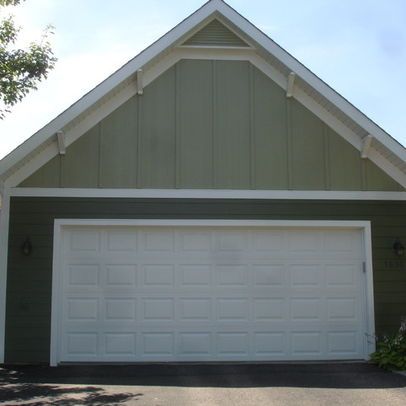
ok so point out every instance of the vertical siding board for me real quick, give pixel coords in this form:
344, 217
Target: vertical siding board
376, 179
118, 147
80, 166
345, 163
270, 134
326, 140
307, 149
195, 152
47, 176
157, 132
232, 125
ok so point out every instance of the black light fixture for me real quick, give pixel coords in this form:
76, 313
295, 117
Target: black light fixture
398, 248
26, 247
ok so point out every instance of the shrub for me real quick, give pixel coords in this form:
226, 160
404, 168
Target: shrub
391, 350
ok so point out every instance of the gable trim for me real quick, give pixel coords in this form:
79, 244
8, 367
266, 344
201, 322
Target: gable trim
207, 194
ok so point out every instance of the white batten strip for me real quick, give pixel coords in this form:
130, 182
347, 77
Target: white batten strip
208, 194
291, 84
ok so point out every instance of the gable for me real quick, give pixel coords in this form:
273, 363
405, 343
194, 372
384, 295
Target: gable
212, 124
215, 34
288, 73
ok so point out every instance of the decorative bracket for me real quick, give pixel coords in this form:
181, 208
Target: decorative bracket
140, 84
366, 145
60, 135
291, 84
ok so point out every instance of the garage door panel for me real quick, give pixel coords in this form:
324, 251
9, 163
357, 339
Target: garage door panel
193, 275
121, 275
210, 293
269, 274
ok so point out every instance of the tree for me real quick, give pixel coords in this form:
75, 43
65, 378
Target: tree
21, 70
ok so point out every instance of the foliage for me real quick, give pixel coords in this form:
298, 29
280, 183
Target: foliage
21, 70
391, 350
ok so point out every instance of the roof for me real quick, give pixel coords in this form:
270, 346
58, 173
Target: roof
371, 140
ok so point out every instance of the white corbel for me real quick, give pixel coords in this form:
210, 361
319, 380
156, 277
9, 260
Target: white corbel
291, 84
140, 84
366, 145
60, 135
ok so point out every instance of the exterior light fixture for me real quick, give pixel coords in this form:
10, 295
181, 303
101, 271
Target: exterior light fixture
26, 247
398, 248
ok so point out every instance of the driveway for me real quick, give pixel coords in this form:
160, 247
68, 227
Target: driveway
210, 384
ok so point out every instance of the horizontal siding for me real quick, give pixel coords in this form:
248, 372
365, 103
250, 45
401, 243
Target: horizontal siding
29, 278
212, 125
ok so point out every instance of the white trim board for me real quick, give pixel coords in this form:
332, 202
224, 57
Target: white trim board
364, 226
212, 9
208, 194
4, 226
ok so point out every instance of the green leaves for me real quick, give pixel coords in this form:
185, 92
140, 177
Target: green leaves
10, 2
391, 351
21, 70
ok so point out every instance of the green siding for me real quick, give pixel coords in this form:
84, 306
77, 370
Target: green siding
80, 165
157, 133
378, 180
212, 124
195, 124
307, 149
47, 176
29, 278
118, 144
270, 142
345, 163
232, 125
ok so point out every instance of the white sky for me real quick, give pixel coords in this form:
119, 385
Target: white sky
357, 46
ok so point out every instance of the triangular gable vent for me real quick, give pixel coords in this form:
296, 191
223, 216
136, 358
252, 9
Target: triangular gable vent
215, 34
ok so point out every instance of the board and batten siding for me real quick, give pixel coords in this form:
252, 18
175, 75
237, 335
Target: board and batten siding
29, 280
212, 125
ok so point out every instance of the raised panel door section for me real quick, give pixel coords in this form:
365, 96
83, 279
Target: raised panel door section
137, 294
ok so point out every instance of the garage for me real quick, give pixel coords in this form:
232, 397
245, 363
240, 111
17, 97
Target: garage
138, 291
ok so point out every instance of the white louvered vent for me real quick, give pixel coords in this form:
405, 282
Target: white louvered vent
215, 34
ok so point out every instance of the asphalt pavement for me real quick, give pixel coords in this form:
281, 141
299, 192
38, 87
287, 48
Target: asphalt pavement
202, 384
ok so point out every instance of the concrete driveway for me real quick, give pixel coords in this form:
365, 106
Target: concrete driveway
187, 384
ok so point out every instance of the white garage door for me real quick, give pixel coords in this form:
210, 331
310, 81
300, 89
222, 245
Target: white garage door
133, 294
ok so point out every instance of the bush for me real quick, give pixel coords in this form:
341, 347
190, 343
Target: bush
391, 350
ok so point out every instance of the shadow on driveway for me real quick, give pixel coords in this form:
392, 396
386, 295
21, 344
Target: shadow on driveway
106, 385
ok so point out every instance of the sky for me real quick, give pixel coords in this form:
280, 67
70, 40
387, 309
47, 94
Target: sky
357, 46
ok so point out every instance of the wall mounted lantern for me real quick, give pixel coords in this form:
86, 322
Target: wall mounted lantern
26, 247
398, 248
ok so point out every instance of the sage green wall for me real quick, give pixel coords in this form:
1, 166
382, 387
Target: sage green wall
212, 124
29, 282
